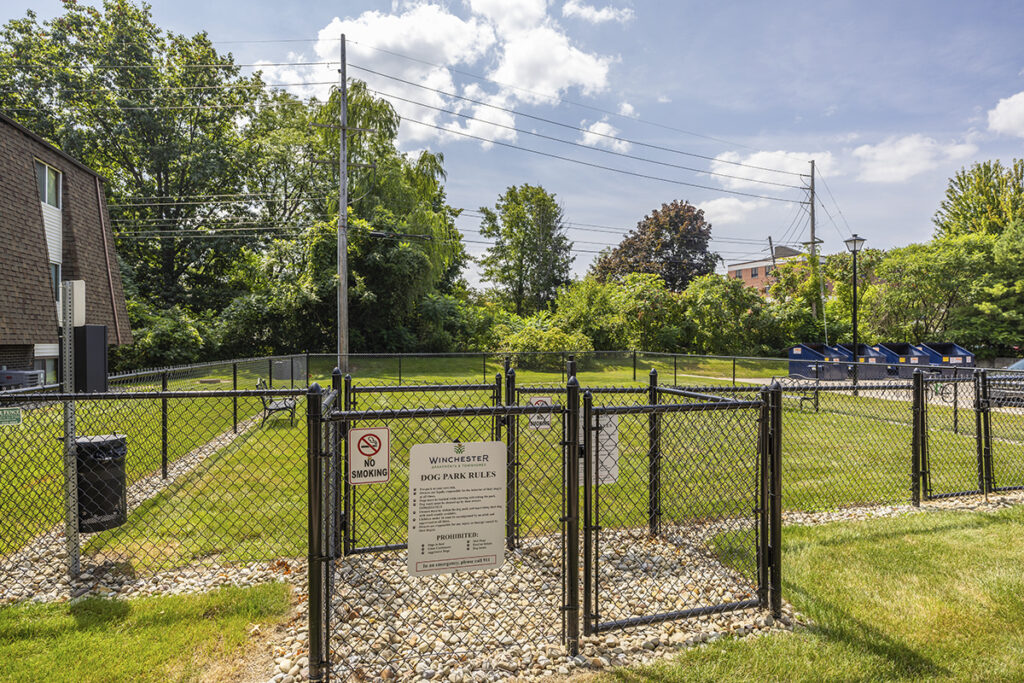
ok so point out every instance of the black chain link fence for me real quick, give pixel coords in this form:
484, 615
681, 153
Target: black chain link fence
176, 488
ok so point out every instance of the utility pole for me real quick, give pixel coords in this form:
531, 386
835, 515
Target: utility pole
343, 216
771, 252
814, 242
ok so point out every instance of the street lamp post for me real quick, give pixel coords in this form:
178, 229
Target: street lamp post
854, 244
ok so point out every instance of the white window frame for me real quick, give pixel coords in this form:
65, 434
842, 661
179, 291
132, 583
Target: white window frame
59, 181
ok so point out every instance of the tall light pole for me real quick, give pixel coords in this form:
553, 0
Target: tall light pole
854, 244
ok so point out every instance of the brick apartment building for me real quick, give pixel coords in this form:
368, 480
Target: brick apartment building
758, 274
54, 226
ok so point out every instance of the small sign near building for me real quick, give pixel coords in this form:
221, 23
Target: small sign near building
369, 455
10, 417
456, 507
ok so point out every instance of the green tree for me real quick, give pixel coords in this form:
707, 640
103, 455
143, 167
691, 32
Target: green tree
727, 318
671, 242
532, 255
112, 88
985, 199
592, 307
914, 293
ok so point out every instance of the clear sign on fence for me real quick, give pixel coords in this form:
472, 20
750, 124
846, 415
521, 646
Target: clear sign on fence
606, 450
369, 455
456, 507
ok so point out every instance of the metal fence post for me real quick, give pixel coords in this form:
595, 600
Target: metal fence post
988, 483
399, 371
764, 486
634, 365
675, 370
339, 468
270, 373
163, 426
511, 465
775, 587
654, 458
234, 399
917, 447
349, 503
734, 371
315, 550
71, 539
309, 370
496, 397
589, 523
572, 519
570, 367
291, 371
956, 401
484, 356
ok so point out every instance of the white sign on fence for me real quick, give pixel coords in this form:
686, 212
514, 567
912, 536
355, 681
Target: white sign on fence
369, 455
456, 507
540, 420
606, 450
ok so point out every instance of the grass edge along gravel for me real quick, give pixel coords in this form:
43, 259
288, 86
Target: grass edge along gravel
170, 638
929, 596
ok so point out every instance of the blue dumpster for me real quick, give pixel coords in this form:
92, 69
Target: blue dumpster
816, 361
902, 358
947, 356
870, 363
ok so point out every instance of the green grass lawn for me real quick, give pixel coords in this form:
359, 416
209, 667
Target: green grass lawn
934, 596
179, 638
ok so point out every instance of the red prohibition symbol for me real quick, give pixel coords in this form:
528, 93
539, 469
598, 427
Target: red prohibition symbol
368, 445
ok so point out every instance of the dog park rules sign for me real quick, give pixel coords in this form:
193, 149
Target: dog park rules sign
369, 455
456, 507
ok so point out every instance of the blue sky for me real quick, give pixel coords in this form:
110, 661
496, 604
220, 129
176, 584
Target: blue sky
890, 98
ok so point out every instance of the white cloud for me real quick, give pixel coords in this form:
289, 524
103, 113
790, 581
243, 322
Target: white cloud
484, 117
517, 15
729, 210
543, 60
791, 162
663, 99
627, 109
895, 160
1008, 116
576, 9
600, 134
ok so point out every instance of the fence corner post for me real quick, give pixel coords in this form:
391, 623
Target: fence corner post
653, 458
763, 489
775, 435
572, 517
589, 514
315, 545
988, 479
917, 449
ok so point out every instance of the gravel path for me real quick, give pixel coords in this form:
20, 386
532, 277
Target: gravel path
39, 570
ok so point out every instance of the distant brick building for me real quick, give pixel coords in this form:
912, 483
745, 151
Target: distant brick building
54, 226
758, 274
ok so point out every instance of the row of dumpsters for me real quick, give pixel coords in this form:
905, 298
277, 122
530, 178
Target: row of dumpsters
879, 361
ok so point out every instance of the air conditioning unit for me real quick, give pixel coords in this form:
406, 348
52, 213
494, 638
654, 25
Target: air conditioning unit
10, 379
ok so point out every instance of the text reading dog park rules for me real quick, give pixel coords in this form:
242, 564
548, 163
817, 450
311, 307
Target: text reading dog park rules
456, 507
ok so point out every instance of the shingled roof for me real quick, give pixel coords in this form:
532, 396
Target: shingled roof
27, 311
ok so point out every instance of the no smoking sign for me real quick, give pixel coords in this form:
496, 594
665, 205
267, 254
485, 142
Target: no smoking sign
369, 455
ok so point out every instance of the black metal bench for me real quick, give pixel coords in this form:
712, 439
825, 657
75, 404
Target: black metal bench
271, 406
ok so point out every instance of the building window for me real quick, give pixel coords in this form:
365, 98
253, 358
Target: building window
55, 280
49, 367
753, 272
48, 180
739, 273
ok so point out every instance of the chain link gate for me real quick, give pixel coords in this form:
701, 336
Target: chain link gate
952, 412
684, 520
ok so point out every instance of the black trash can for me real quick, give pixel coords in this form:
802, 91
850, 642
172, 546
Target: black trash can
102, 494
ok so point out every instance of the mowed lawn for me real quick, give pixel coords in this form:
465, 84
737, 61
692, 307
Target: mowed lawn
935, 596
148, 640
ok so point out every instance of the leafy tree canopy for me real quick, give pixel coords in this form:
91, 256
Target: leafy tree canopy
985, 199
671, 242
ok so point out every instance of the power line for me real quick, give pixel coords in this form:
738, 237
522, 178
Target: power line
577, 128
104, 67
602, 167
835, 203
555, 98
580, 144
216, 202
162, 88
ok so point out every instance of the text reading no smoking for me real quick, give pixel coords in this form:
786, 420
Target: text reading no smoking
369, 455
